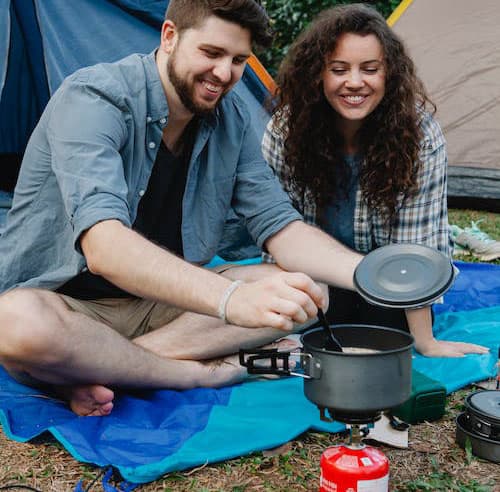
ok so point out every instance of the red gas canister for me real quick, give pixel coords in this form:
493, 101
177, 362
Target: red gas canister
354, 469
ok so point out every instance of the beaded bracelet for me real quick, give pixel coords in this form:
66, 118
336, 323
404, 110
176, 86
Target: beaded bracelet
225, 298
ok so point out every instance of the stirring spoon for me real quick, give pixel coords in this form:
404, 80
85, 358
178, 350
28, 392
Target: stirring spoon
331, 343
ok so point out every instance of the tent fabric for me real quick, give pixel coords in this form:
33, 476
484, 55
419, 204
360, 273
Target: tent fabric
454, 44
24, 89
151, 433
43, 41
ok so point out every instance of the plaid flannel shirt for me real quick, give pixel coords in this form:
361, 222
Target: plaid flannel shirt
421, 219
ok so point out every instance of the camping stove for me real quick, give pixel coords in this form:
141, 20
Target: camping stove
348, 417
354, 466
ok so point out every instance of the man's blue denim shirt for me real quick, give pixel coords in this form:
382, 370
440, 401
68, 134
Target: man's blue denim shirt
90, 159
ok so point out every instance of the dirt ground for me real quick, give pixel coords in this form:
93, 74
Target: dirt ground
433, 461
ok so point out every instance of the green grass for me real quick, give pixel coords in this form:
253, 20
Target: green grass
487, 221
445, 482
438, 481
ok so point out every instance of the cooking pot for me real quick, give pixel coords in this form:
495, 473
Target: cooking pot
482, 410
353, 387
480, 424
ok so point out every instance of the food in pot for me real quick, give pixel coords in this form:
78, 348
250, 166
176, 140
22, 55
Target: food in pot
359, 350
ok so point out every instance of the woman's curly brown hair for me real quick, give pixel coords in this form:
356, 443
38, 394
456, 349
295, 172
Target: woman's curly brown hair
390, 136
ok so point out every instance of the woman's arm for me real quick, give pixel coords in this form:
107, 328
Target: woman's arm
423, 219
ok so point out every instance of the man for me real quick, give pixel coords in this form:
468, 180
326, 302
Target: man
122, 194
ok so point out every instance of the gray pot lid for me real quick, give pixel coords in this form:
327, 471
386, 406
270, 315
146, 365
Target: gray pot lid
486, 403
403, 275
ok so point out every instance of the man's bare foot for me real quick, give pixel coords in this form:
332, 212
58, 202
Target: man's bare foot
90, 400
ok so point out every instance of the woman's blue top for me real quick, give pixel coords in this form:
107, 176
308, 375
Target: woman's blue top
339, 216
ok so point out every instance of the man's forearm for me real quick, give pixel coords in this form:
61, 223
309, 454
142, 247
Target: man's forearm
138, 266
303, 248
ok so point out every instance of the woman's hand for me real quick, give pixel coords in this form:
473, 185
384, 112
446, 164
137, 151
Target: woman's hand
445, 348
420, 324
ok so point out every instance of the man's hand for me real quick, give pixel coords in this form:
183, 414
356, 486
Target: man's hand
444, 348
277, 301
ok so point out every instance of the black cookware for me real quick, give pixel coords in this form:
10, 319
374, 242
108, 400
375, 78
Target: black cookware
373, 373
480, 424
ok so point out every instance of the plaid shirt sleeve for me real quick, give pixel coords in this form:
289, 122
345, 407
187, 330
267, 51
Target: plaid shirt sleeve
423, 218
273, 145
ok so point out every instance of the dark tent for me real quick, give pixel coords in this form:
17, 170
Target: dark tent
43, 41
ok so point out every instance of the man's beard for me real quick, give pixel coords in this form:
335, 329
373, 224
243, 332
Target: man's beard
186, 92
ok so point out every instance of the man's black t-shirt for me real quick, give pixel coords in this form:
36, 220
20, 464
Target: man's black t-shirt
159, 219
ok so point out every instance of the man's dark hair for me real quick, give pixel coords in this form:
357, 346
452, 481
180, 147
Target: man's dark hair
249, 14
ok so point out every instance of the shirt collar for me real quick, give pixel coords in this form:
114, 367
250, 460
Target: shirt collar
157, 101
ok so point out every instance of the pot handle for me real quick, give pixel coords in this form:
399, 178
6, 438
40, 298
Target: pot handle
249, 357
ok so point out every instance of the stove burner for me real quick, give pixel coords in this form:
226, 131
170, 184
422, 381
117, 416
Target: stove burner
357, 418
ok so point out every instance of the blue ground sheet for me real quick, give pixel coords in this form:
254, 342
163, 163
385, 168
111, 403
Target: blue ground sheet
151, 433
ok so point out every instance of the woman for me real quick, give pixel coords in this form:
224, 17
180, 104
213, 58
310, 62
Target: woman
355, 147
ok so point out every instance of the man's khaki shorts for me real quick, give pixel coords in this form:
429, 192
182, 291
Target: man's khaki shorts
131, 317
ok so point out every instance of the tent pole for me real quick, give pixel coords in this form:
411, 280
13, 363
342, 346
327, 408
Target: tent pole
398, 12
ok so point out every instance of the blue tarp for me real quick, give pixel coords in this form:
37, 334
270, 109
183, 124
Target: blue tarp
155, 432
476, 286
43, 41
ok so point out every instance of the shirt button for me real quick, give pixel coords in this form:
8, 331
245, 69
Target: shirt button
149, 119
163, 121
141, 192
152, 145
